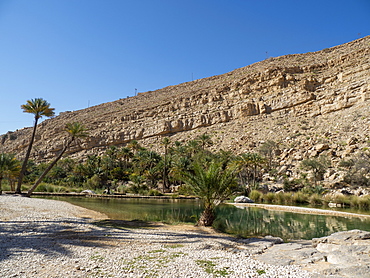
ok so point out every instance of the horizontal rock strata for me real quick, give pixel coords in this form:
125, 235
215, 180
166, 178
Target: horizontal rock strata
273, 99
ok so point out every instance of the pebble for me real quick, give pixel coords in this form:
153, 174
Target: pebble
46, 238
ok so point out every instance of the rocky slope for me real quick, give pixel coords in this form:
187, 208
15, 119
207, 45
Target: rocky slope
309, 103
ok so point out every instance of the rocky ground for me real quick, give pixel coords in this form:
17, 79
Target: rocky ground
46, 238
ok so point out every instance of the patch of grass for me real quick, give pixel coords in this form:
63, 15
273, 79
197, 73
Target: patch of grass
151, 263
269, 198
315, 199
260, 271
97, 258
300, 198
174, 245
210, 267
157, 251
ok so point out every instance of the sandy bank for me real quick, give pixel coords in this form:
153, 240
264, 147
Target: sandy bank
301, 210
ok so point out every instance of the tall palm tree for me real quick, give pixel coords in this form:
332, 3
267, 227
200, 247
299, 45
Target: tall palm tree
9, 167
213, 184
38, 107
76, 131
165, 142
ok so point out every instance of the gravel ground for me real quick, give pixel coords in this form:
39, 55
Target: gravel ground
47, 238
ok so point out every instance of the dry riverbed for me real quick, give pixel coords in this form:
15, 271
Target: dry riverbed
48, 238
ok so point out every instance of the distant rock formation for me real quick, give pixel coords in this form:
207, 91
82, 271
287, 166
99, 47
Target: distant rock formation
309, 103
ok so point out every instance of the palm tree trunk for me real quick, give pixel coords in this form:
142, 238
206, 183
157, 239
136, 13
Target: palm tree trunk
24, 165
207, 217
51, 165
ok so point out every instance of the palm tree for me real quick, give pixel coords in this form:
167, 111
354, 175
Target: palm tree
193, 147
38, 107
9, 167
250, 164
205, 140
76, 131
134, 146
126, 154
213, 184
165, 142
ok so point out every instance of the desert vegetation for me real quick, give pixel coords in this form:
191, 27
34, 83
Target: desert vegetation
191, 168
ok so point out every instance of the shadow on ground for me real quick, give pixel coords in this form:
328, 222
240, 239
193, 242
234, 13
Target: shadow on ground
51, 237
123, 224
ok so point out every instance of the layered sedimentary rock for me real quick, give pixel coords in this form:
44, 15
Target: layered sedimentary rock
279, 98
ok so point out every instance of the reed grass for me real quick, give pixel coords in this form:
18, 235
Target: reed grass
314, 199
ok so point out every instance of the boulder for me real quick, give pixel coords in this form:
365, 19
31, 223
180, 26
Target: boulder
342, 254
88, 192
243, 199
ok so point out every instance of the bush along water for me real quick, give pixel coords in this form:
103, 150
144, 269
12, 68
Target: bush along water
311, 199
134, 169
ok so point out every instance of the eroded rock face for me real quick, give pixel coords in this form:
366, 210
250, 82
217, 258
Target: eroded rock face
342, 254
280, 99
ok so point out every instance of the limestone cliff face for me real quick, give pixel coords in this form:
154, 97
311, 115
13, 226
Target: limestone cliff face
306, 94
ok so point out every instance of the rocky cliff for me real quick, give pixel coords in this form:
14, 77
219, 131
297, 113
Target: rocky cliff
310, 103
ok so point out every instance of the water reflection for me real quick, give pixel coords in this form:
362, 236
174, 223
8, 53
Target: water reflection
252, 221
246, 222
169, 210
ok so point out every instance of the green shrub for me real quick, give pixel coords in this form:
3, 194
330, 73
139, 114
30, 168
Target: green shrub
154, 192
364, 202
45, 187
300, 198
185, 190
315, 200
122, 189
255, 195
269, 197
284, 198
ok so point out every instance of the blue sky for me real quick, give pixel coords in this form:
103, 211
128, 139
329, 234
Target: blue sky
76, 53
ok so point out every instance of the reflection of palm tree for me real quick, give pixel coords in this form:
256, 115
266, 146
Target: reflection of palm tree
9, 167
213, 184
39, 108
76, 131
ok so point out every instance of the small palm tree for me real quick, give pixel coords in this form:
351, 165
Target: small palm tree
38, 107
9, 167
126, 154
213, 184
193, 147
205, 140
76, 131
134, 146
251, 163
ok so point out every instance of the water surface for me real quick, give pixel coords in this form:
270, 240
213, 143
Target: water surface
245, 222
